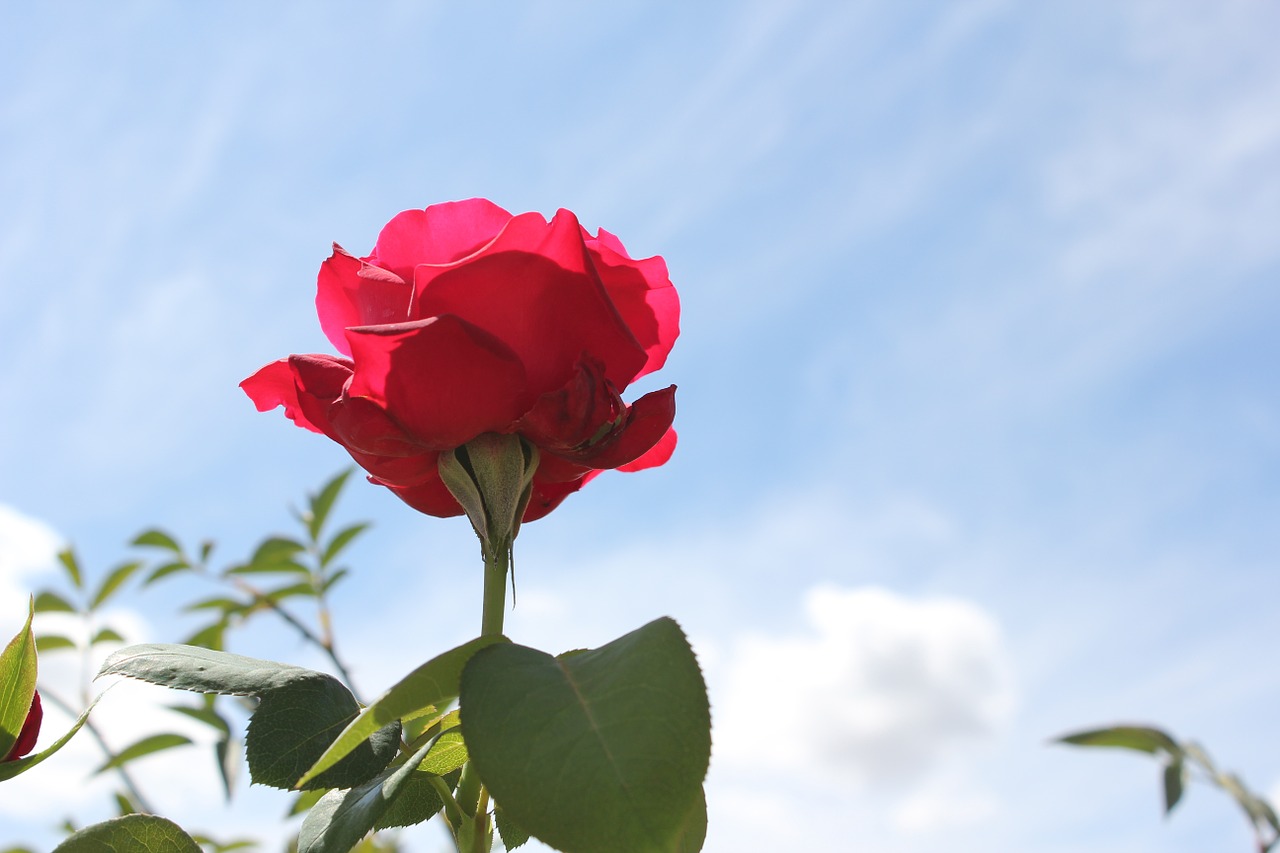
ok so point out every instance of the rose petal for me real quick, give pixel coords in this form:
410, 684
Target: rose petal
442, 379
535, 289
642, 292
547, 496
276, 384
657, 455
585, 409
648, 421
441, 234
30, 731
350, 292
401, 471
430, 497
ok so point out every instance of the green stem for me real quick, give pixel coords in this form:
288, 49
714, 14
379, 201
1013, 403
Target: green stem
496, 562
470, 794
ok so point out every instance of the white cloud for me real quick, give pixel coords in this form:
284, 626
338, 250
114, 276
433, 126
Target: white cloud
28, 546
880, 688
946, 803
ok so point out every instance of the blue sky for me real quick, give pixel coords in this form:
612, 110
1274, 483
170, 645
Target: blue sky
980, 425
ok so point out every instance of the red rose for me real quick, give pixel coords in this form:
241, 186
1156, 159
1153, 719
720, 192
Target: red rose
30, 731
466, 320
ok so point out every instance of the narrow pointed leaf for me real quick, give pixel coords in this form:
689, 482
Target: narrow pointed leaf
322, 503
135, 833
433, 684
341, 540
53, 642
9, 769
156, 538
147, 746
18, 666
1140, 738
51, 602
600, 750
341, 818
106, 635
67, 558
1174, 778
113, 582
165, 570
416, 802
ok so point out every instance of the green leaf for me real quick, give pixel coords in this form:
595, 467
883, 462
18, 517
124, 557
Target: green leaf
226, 750
290, 591
135, 833
106, 635
51, 602
323, 502
124, 805
146, 746
416, 802
693, 832
9, 769
53, 642
1174, 779
165, 570
433, 684
295, 724
156, 538
67, 558
601, 750
215, 846
205, 714
305, 800
206, 548
275, 554
210, 636
341, 540
18, 667
512, 835
333, 579
341, 818
118, 576
217, 602
447, 754
1140, 738
298, 714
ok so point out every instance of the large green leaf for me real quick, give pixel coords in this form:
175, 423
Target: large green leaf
17, 683
294, 725
299, 712
341, 818
135, 833
597, 750
201, 670
433, 684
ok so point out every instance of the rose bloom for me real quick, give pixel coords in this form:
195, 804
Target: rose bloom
466, 320
30, 731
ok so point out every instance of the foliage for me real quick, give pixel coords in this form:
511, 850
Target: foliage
570, 747
1182, 761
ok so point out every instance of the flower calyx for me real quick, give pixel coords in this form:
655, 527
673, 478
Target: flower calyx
491, 476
